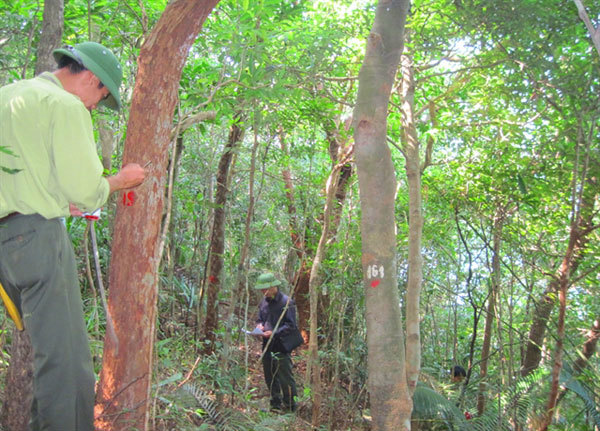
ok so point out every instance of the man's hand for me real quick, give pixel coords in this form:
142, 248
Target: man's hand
129, 176
267, 334
75, 212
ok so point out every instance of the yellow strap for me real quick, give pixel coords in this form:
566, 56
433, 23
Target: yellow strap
13, 312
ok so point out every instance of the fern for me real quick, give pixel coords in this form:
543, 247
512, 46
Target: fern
587, 395
429, 405
207, 406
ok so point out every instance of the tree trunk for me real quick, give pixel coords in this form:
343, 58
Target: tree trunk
16, 410
391, 403
560, 337
123, 396
217, 239
491, 311
313, 367
411, 150
339, 149
107, 142
51, 37
582, 225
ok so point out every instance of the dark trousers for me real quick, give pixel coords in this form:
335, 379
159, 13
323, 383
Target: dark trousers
38, 271
280, 380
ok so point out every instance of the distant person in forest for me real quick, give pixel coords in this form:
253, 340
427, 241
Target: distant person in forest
276, 320
458, 373
53, 171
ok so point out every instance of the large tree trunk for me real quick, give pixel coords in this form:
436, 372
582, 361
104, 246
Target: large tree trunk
391, 402
123, 396
217, 239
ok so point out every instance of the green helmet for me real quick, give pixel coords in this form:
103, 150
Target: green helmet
264, 281
101, 62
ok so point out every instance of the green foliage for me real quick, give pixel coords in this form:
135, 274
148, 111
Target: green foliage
429, 406
506, 92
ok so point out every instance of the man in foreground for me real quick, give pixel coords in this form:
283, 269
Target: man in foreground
276, 318
52, 171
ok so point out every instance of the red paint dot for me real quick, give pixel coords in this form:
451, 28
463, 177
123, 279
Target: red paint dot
375, 283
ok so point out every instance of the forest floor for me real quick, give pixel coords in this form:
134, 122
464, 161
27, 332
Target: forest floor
252, 413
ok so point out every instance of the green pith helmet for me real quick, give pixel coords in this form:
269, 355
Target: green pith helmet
264, 281
101, 62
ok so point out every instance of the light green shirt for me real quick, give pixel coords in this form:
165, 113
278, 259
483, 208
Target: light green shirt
49, 131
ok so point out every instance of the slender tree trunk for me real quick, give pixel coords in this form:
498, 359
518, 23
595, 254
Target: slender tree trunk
594, 32
313, 367
582, 225
411, 151
123, 395
391, 402
491, 311
339, 149
217, 239
242, 272
584, 194
560, 337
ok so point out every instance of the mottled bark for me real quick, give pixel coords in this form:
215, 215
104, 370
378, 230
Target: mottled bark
123, 396
391, 403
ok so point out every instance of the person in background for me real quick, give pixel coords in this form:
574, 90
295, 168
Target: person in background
52, 171
277, 364
458, 373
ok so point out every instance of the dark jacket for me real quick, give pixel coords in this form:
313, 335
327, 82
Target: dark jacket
269, 311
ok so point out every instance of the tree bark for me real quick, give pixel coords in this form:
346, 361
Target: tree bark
594, 32
563, 281
123, 396
313, 367
16, 411
411, 151
217, 239
391, 403
51, 37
